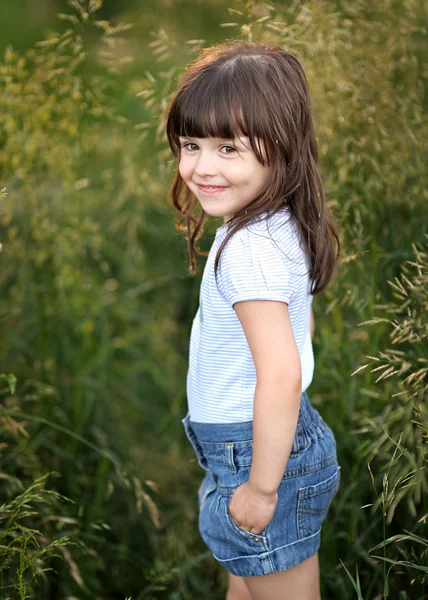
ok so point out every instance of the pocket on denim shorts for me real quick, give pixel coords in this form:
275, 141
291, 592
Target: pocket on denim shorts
252, 537
313, 504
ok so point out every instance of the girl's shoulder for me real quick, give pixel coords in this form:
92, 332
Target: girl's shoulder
263, 233
280, 224
256, 261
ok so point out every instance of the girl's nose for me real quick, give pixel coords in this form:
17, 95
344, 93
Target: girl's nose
205, 165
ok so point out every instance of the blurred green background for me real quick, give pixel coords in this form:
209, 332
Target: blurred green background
98, 481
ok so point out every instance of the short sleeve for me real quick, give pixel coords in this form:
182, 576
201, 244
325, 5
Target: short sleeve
253, 267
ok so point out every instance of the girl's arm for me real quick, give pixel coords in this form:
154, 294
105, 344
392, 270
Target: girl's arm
267, 327
312, 323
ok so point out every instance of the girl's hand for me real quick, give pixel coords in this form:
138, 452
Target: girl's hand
252, 510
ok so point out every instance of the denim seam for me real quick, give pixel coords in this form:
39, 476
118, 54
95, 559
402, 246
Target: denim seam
311, 467
245, 556
270, 562
229, 456
295, 473
304, 430
222, 443
305, 495
312, 432
306, 469
238, 463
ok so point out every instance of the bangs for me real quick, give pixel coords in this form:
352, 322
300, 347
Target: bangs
209, 115
215, 107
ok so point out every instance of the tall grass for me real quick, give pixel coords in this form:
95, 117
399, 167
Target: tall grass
97, 303
397, 440
62, 313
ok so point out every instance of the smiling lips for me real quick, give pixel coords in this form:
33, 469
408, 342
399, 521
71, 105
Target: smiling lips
212, 189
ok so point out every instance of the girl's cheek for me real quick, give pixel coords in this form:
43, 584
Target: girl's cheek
185, 164
182, 169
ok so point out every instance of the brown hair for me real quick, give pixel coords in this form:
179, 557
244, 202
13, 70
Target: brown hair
258, 90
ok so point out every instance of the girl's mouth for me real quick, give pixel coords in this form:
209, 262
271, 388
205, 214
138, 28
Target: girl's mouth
211, 189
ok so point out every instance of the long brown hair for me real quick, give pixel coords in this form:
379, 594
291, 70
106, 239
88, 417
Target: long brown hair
238, 88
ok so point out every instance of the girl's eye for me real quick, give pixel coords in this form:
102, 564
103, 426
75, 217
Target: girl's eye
230, 148
188, 145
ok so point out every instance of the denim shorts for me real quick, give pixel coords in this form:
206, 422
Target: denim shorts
310, 481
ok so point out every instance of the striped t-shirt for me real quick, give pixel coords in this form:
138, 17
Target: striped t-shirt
262, 261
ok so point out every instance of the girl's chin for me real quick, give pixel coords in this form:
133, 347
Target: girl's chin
212, 212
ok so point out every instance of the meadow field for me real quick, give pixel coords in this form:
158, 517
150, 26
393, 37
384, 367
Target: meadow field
98, 483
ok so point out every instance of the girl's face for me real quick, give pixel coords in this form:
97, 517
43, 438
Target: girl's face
223, 180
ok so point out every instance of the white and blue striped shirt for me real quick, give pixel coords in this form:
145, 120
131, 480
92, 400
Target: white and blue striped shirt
262, 261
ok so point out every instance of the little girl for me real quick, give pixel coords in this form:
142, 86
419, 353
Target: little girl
241, 129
